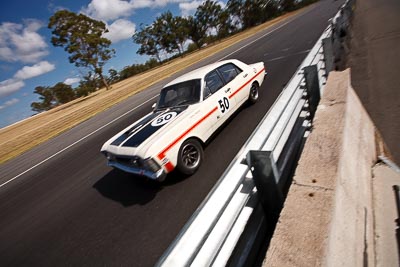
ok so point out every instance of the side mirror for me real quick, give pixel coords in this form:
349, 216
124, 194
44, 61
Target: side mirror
154, 106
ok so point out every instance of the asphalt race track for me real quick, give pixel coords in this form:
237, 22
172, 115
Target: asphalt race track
63, 206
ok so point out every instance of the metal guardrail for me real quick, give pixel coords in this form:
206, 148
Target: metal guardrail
217, 229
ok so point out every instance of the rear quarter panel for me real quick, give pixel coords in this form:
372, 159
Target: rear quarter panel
253, 72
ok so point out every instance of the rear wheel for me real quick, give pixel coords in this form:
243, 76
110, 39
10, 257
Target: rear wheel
190, 157
253, 97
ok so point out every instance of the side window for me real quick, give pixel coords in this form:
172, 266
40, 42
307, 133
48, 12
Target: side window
213, 82
207, 92
229, 72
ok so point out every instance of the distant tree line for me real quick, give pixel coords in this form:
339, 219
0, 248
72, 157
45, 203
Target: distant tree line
168, 34
167, 37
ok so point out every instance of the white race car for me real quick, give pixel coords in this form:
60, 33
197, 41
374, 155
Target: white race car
189, 110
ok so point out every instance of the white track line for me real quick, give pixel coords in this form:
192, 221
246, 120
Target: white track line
76, 142
105, 125
290, 55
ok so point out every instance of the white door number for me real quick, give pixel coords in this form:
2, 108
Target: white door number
163, 119
223, 104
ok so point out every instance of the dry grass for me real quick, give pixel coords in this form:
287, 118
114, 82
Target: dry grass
22, 136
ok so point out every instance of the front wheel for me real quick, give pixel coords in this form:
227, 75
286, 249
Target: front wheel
253, 97
190, 157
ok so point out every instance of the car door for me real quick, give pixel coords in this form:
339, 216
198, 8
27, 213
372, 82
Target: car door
237, 79
218, 94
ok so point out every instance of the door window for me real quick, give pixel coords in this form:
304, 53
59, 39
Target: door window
229, 72
213, 82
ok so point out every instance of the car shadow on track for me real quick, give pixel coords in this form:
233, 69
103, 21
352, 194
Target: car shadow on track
129, 189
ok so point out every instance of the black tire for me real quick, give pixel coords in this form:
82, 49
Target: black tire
253, 96
190, 157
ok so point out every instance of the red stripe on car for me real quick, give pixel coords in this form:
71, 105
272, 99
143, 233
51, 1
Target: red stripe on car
161, 156
169, 166
244, 85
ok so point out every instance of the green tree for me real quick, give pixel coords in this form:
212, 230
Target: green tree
87, 85
270, 10
181, 29
225, 24
234, 8
113, 76
62, 93
164, 32
288, 5
248, 13
46, 99
208, 15
51, 97
81, 37
134, 69
149, 41
171, 31
196, 32
206, 18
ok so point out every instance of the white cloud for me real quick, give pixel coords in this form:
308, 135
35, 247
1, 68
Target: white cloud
22, 42
35, 70
137, 4
6, 53
10, 86
189, 8
9, 103
108, 9
71, 81
119, 30
14, 84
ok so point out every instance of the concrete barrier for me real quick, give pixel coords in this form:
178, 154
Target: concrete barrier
327, 218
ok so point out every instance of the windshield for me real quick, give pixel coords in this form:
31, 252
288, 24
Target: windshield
184, 93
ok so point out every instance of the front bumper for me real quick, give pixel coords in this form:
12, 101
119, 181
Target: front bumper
160, 175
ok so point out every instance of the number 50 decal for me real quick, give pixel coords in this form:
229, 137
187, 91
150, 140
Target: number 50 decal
163, 119
223, 104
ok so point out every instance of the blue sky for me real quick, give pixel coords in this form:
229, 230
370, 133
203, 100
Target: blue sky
28, 59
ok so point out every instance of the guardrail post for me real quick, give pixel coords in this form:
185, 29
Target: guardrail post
396, 189
266, 179
312, 87
328, 54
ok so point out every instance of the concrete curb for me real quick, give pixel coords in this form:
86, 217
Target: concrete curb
327, 218
386, 215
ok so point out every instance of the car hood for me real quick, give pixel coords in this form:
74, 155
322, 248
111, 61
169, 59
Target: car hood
134, 140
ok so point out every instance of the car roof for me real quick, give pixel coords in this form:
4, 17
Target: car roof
200, 72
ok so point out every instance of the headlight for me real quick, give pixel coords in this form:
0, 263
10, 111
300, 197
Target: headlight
136, 162
109, 156
152, 165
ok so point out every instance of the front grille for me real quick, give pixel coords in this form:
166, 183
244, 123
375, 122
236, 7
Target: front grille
135, 162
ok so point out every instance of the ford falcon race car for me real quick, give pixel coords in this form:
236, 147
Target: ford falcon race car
189, 110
